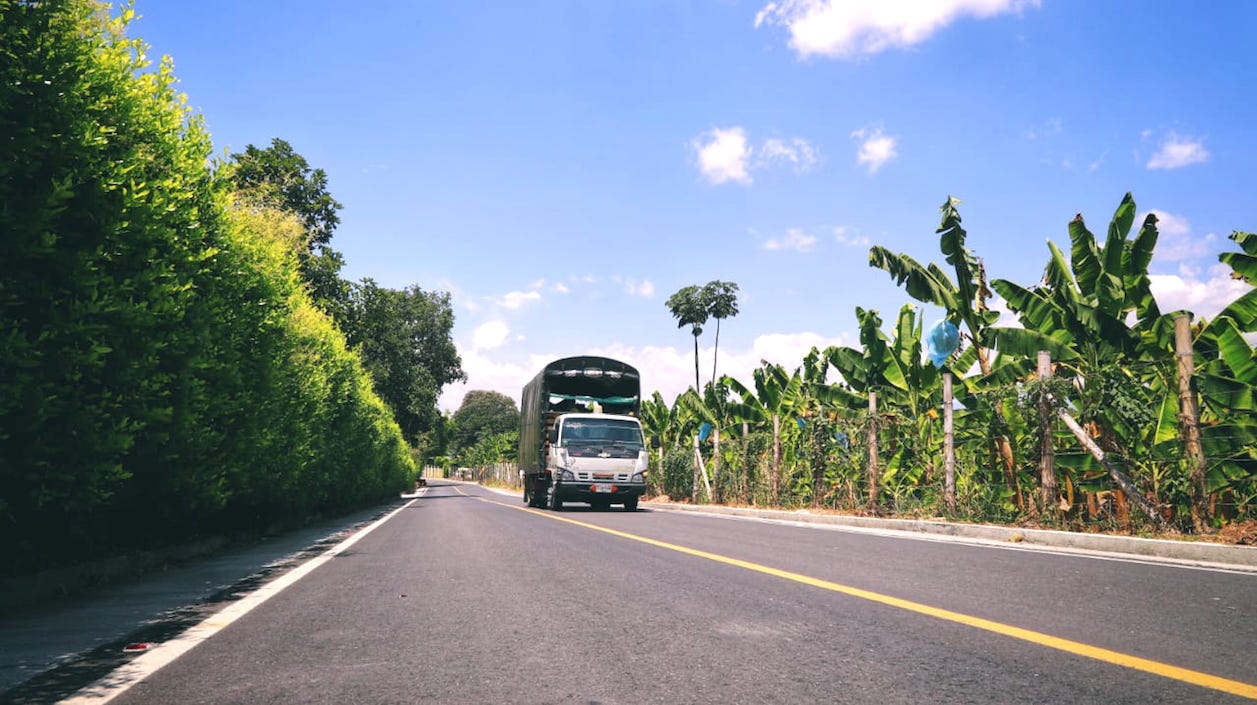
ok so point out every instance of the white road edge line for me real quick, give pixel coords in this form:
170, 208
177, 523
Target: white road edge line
124, 677
966, 540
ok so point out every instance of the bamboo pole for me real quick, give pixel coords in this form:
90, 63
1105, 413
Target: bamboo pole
1188, 424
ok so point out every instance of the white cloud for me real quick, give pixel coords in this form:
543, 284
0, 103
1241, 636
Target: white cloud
875, 148
1177, 152
841, 237
850, 28
489, 335
486, 374
723, 155
795, 239
798, 152
646, 289
1170, 224
1205, 298
1175, 242
517, 299
1007, 319
727, 155
559, 287
458, 296
1099, 162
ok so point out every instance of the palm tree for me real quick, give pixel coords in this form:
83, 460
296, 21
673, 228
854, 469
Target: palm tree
722, 303
689, 306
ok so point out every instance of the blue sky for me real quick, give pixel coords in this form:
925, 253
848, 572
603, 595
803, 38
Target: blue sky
561, 168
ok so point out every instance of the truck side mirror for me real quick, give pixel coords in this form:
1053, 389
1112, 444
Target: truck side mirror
654, 441
553, 435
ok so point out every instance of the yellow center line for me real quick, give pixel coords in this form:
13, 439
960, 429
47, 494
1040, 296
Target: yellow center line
1185, 675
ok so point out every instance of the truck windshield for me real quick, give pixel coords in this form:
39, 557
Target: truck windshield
606, 433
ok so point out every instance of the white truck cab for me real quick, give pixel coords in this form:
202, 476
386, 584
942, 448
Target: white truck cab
597, 458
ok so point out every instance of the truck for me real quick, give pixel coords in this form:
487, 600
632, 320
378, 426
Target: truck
580, 438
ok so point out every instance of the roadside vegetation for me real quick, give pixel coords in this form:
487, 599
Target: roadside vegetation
179, 357
1124, 430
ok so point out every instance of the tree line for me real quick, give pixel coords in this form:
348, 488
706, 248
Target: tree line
179, 356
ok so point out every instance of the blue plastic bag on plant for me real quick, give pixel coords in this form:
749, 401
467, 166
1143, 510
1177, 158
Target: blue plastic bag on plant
942, 341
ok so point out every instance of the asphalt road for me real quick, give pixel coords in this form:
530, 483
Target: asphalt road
465, 596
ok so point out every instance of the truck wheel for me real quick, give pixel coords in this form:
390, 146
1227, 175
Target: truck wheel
556, 503
527, 495
630, 504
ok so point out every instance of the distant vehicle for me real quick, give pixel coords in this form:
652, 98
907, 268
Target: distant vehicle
579, 438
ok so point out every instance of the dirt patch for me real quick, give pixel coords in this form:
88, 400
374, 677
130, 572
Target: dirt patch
1243, 533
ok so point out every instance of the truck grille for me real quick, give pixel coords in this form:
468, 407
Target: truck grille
604, 476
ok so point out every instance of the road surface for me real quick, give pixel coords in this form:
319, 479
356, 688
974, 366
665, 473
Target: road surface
466, 596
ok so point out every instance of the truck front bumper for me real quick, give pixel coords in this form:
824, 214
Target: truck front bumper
603, 491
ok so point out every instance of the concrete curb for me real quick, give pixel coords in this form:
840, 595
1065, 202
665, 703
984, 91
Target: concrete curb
1240, 557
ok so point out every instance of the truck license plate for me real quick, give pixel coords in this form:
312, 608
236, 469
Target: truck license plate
602, 487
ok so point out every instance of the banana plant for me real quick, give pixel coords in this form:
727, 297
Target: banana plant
964, 301
775, 397
1226, 375
1079, 314
908, 387
659, 421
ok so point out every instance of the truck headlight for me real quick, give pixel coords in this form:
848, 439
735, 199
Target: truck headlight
638, 477
568, 476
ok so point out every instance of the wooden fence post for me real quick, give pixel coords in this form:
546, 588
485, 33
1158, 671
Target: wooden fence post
715, 468
699, 467
1047, 453
872, 436
698, 463
949, 446
1188, 424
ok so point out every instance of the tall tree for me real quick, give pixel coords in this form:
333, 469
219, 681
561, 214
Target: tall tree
481, 415
285, 178
404, 339
689, 307
279, 177
722, 303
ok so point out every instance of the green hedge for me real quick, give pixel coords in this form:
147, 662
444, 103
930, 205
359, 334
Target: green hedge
162, 372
